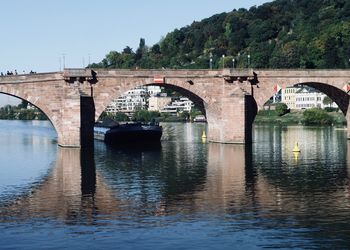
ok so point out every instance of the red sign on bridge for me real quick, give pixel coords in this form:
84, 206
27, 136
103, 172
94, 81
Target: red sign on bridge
159, 79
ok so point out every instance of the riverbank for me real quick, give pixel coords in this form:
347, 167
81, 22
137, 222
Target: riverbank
293, 118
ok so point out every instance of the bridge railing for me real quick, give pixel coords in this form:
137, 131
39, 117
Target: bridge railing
80, 75
77, 73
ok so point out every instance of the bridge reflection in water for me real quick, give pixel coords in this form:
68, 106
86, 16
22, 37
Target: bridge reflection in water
230, 184
75, 190
72, 192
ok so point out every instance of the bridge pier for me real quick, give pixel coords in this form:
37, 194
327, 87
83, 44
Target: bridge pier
68, 129
233, 122
348, 124
77, 130
87, 121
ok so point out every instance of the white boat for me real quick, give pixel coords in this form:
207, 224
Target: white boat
200, 118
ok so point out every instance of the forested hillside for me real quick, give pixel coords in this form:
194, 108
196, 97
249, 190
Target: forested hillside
280, 34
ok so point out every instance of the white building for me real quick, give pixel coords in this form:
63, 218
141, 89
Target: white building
154, 90
304, 97
150, 98
288, 96
157, 103
178, 106
129, 102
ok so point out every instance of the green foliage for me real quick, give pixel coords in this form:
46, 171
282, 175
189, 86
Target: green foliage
21, 112
185, 116
145, 116
331, 109
327, 101
194, 113
27, 114
281, 109
297, 117
121, 117
317, 116
7, 113
278, 34
165, 117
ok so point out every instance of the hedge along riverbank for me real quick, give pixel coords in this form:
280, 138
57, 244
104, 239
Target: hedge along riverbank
313, 116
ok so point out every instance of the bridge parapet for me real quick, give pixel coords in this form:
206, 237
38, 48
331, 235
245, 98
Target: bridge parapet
25, 78
79, 75
240, 76
150, 73
290, 73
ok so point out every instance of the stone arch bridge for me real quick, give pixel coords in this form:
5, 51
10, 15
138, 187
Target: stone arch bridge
74, 98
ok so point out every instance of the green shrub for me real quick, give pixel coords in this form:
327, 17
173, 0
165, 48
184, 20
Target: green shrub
331, 109
281, 109
317, 116
145, 116
121, 117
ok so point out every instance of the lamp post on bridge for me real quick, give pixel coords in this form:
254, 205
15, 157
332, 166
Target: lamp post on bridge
223, 61
211, 61
233, 63
248, 57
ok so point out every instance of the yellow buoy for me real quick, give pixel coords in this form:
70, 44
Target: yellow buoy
296, 148
296, 156
204, 135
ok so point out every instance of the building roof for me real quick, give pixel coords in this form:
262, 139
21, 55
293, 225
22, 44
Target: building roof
306, 89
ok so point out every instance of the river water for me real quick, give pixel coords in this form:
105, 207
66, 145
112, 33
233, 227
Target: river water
188, 194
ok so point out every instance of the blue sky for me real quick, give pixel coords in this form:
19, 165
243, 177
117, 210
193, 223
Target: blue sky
36, 33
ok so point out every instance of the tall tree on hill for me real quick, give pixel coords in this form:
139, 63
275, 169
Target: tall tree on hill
279, 34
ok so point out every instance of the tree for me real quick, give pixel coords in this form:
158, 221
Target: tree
23, 105
327, 101
281, 109
127, 50
141, 49
316, 116
121, 117
280, 34
145, 116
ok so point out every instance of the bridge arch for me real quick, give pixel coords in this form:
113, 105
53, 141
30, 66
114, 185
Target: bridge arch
38, 103
332, 86
339, 96
102, 100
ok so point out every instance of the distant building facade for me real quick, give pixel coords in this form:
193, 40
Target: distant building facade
288, 97
154, 90
129, 102
304, 97
157, 103
150, 98
178, 106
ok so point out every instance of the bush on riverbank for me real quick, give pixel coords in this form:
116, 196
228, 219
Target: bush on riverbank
312, 117
272, 117
21, 112
316, 116
281, 109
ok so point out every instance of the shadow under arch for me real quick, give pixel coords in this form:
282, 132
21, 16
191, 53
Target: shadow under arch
41, 107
